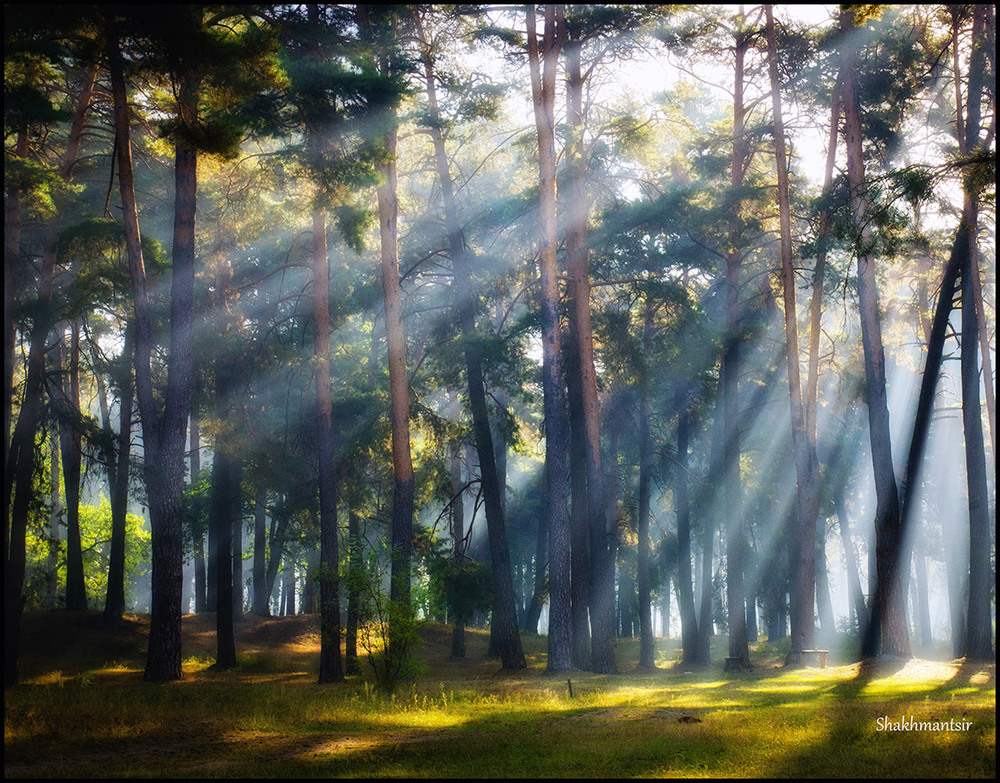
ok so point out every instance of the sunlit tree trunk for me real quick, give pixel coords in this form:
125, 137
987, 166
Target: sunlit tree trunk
201, 576
979, 628
402, 509
739, 652
685, 594
330, 665
601, 589
806, 464
889, 617
564, 631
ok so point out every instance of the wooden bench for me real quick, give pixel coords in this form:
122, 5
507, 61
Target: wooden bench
822, 656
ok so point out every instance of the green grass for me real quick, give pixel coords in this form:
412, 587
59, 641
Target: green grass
84, 711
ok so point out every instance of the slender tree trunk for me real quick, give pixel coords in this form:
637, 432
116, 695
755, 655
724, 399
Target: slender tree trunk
564, 629
806, 463
330, 665
200, 571
277, 549
356, 565
979, 627
685, 595
260, 604
504, 607
923, 598
647, 644
889, 619
225, 501
72, 456
601, 564
739, 652
55, 515
824, 604
457, 533
114, 606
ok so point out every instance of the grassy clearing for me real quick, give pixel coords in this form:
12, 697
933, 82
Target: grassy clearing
85, 712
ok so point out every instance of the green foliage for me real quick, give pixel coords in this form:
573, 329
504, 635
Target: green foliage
389, 629
95, 537
462, 584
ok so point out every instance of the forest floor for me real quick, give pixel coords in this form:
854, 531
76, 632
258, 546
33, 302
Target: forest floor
83, 711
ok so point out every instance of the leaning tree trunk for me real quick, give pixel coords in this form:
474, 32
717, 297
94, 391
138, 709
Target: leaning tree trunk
888, 622
504, 607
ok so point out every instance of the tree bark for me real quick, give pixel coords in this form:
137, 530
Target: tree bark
888, 623
564, 630
330, 665
979, 646
685, 594
261, 598
739, 651
601, 588
200, 571
114, 606
71, 448
806, 463
356, 565
647, 643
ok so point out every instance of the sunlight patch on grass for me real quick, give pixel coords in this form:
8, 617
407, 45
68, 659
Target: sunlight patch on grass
50, 678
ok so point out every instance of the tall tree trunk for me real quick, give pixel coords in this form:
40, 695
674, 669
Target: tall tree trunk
457, 512
55, 515
647, 643
200, 571
888, 622
72, 456
399, 392
163, 439
261, 600
224, 509
923, 607
685, 595
114, 606
979, 627
330, 665
806, 463
601, 592
356, 565
739, 651
564, 629
504, 606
